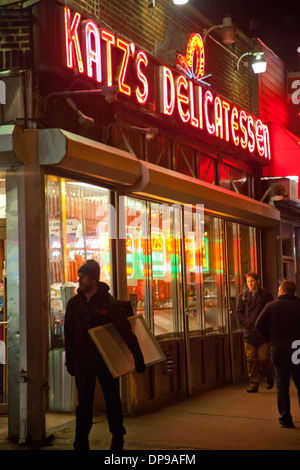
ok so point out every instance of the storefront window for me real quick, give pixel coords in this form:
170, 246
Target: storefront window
213, 276
153, 263
242, 258
194, 251
166, 269
234, 179
206, 169
184, 160
158, 150
78, 229
137, 254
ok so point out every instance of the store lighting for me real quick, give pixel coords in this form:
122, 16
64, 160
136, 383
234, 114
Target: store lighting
180, 2
259, 65
227, 28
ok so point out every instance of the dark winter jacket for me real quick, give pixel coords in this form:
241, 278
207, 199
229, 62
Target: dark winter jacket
247, 311
83, 314
280, 322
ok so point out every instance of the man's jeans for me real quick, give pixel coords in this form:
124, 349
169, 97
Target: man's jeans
284, 369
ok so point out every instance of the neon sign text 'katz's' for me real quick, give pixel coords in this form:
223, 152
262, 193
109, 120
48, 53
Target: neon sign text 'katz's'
180, 96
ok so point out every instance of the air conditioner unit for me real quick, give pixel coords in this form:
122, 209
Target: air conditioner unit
283, 189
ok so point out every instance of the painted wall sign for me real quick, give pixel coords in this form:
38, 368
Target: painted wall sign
106, 59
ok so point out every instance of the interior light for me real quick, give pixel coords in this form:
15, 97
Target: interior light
180, 2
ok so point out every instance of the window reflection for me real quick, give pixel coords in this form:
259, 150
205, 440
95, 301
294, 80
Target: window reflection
213, 275
78, 229
242, 258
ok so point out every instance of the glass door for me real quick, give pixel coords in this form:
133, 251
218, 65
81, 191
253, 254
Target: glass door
242, 257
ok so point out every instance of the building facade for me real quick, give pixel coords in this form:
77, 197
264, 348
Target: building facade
129, 136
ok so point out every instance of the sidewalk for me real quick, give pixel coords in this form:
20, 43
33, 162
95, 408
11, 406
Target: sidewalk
227, 418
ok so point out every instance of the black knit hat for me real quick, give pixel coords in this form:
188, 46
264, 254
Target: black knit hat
91, 268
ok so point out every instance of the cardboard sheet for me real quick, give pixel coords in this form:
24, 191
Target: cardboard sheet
115, 352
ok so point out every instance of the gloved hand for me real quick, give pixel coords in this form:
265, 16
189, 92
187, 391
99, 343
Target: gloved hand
70, 369
140, 366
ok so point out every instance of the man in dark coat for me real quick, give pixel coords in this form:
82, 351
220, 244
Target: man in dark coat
280, 322
94, 306
257, 349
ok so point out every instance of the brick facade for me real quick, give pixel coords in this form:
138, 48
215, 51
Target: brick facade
15, 39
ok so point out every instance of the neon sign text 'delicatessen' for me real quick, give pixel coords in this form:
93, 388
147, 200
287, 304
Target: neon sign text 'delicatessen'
190, 102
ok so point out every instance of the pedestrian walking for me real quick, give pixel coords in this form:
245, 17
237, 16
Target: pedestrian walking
93, 306
279, 323
257, 350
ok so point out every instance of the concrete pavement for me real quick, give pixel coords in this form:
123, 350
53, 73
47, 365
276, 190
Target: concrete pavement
226, 418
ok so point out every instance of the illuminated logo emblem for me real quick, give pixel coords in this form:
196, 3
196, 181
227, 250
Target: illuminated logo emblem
192, 64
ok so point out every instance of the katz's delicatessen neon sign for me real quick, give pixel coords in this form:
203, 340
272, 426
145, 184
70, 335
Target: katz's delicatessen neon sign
108, 60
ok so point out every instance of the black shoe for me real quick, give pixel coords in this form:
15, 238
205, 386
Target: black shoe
252, 390
270, 384
287, 425
117, 442
81, 446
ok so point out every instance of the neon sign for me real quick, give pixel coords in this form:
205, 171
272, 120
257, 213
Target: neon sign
93, 52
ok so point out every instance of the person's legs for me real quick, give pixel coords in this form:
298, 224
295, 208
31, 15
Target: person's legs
252, 366
296, 378
85, 384
111, 393
265, 363
281, 363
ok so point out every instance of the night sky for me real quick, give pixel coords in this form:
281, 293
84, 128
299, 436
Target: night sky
276, 23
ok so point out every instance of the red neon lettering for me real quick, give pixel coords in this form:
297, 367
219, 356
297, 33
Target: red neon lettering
208, 98
234, 126
218, 117
93, 54
181, 98
167, 91
259, 135
267, 142
125, 47
142, 96
71, 39
194, 120
251, 141
226, 107
200, 106
243, 140
109, 38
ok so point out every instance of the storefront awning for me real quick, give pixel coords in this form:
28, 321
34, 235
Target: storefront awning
285, 151
87, 157
90, 158
10, 145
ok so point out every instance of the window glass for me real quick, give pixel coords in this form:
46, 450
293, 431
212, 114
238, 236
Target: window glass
213, 275
193, 243
137, 254
184, 160
153, 263
242, 258
78, 229
206, 169
248, 251
158, 150
166, 269
239, 179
